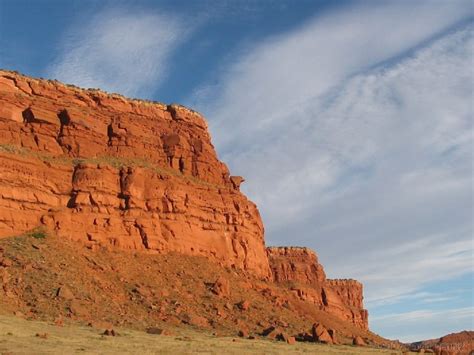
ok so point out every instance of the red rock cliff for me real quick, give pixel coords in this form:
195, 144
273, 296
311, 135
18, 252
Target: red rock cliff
300, 268
295, 264
105, 170
108, 171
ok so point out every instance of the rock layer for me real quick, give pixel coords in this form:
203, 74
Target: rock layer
300, 269
104, 170
135, 175
295, 264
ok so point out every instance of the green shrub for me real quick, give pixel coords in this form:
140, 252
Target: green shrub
37, 233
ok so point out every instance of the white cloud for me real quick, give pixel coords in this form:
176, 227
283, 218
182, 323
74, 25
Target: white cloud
356, 144
274, 79
119, 50
426, 297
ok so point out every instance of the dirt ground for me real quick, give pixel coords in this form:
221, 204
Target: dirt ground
20, 336
51, 278
68, 295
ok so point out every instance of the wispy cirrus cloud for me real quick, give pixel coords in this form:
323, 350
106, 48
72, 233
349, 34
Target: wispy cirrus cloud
355, 135
124, 50
274, 78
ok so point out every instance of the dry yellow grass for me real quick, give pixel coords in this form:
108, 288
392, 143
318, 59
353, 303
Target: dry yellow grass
18, 336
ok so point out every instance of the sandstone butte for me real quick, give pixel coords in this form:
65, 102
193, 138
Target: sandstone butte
106, 171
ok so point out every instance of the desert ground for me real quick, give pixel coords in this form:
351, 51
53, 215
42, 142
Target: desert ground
20, 336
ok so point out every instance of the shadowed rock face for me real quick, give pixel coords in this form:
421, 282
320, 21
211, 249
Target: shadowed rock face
299, 267
130, 174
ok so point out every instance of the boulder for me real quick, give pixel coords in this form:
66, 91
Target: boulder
243, 333
243, 305
65, 293
154, 330
109, 332
358, 341
221, 287
272, 333
195, 320
321, 334
332, 333
5, 262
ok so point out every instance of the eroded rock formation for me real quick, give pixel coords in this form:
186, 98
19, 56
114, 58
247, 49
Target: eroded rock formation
104, 170
118, 173
299, 269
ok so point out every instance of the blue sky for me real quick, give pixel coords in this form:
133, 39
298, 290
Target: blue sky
351, 121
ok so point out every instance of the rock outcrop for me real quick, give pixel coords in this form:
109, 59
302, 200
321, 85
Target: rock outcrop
105, 170
300, 269
461, 343
111, 172
295, 264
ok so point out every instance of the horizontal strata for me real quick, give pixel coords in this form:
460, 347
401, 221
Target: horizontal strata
107, 171
112, 172
300, 267
28, 85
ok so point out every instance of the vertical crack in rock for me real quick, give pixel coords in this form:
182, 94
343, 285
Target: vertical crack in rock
170, 143
73, 193
324, 297
143, 235
110, 134
124, 174
181, 165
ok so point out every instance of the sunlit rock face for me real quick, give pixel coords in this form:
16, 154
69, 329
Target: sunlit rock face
105, 170
299, 268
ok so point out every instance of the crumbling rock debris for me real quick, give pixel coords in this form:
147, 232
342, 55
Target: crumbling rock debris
221, 287
244, 305
321, 334
6, 262
271, 333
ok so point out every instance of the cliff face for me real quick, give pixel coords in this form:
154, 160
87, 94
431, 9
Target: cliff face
104, 170
295, 264
299, 267
117, 173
